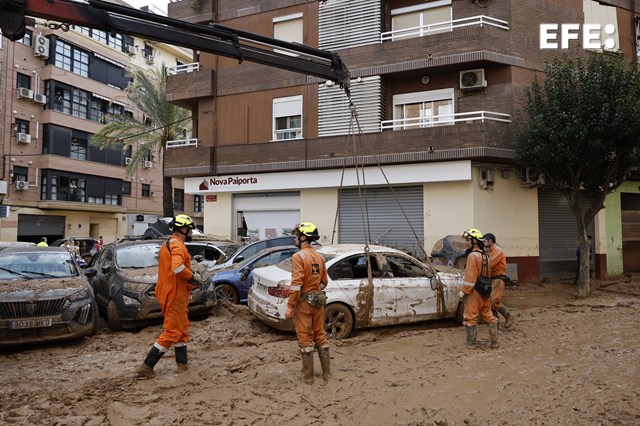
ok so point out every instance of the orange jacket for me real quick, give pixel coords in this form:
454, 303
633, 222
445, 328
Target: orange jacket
308, 273
174, 272
473, 270
497, 261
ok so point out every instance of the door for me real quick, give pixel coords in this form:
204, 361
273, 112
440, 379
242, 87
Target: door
415, 299
100, 281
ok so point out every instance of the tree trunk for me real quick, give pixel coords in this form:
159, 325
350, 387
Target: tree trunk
167, 196
584, 279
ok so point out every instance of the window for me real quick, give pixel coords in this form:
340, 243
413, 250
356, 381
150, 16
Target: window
110, 39
126, 188
287, 118
423, 109
20, 174
419, 20
22, 126
288, 28
23, 80
178, 199
146, 190
596, 13
27, 39
78, 148
198, 203
404, 268
69, 100
71, 58
354, 267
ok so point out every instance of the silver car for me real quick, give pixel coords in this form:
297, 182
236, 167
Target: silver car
401, 290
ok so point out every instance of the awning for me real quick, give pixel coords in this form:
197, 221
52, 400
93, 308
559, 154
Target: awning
111, 61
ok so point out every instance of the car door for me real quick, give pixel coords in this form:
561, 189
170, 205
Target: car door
412, 281
374, 303
101, 280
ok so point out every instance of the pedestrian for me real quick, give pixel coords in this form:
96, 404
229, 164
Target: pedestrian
43, 242
498, 267
175, 282
97, 246
306, 301
476, 290
591, 266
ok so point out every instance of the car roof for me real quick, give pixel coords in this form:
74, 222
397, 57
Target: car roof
33, 249
345, 249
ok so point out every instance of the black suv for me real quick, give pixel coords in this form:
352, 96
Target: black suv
124, 278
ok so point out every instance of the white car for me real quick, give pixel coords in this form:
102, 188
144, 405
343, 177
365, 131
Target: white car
402, 290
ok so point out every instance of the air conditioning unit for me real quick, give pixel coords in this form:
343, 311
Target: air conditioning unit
130, 49
39, 98
22, 185
472, 79
148, 164
25, 93
127, 160
532, 177
23, 138
149, 59
41, 46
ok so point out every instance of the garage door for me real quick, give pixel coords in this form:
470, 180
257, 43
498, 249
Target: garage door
40, 225
630, 218
386, 220
267, 215
558, 235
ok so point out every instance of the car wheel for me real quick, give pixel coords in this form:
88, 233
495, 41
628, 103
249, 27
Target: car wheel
460, 313
113, 316
338, 321
227, 293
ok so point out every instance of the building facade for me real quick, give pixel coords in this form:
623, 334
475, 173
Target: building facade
427, 153
60, 85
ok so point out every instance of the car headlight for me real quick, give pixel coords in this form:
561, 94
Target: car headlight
136, 287
79, 295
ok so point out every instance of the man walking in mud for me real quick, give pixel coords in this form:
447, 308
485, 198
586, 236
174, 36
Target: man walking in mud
498, 267
175, 282
307, 300
477, 299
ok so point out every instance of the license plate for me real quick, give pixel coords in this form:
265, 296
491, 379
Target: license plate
30, 323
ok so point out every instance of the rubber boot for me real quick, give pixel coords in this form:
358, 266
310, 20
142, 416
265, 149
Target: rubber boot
146, 369
307, 366
508, 316
181, 358
325, 362
495, 314
472, 335
493, 335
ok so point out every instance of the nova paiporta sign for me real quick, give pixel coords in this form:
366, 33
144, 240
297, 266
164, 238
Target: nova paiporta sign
213, 182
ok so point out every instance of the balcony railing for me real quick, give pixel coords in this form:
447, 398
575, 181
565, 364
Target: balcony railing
181, 143
444, 120
184, 68
439, 27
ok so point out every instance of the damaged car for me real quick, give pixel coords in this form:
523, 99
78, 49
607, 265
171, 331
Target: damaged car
399, 289
124, 278
43, 297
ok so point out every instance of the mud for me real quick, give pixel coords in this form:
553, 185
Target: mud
565, 361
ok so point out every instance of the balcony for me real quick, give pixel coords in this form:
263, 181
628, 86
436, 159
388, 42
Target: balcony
446, 26
444, 120
186, 84
182, 143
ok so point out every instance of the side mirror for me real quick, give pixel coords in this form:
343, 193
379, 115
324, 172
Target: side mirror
245, 274
198, 258
105, 269
238, 259
90, 272
434, 283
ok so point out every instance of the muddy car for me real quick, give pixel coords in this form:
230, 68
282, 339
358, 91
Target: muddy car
249, 250
402, 290
124, 278
43, 297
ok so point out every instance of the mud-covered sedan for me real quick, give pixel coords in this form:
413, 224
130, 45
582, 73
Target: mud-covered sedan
124, 278
401, 290
43, 297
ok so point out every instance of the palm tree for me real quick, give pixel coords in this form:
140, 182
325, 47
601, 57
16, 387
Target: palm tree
161, 122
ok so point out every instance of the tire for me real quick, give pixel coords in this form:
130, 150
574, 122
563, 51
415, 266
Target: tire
227, 293
338, 321
460, 313
113, 316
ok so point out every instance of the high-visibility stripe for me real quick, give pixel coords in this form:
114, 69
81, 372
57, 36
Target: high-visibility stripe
295, 288
179, 269
468, 284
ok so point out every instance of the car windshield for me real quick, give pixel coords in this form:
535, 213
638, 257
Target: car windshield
286, 264
137, 256
34, 265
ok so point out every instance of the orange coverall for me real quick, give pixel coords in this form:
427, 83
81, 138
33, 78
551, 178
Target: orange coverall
173, 290
498, 268
309, 273
475, 305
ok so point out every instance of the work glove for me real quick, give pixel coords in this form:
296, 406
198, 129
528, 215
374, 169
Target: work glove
196, 280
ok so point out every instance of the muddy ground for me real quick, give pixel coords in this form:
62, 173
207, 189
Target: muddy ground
565, 362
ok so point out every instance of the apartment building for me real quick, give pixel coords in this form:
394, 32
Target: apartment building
60, 83
436, 85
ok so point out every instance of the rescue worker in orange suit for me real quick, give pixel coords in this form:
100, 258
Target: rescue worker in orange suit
306, 301
474, 304
175, 282
498, 266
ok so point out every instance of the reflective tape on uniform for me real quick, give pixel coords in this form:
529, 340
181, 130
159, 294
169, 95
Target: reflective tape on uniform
179, 269
468, 284
295, 288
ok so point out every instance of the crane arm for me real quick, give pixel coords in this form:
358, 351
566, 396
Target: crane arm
214, 39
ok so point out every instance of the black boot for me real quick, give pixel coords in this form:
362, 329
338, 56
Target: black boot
181, 358
146, 369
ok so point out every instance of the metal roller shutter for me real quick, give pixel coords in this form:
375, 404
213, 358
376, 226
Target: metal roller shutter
40, 225
558, 235
387, 223
630, 218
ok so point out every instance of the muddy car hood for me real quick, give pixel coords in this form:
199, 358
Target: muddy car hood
143, 275
36, 289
